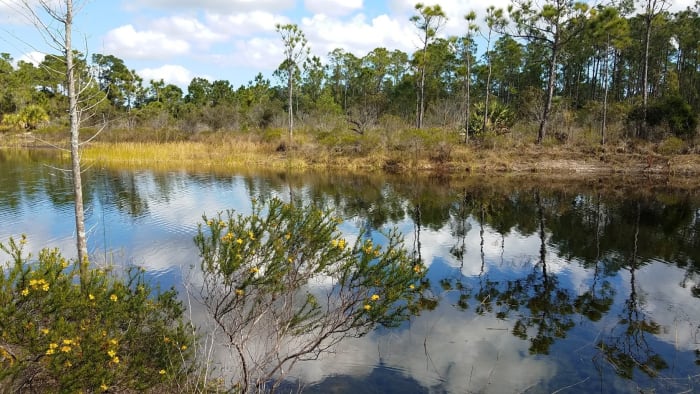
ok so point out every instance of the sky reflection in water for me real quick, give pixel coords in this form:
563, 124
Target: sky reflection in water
612, 307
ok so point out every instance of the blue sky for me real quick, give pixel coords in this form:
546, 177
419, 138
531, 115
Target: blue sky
177, 40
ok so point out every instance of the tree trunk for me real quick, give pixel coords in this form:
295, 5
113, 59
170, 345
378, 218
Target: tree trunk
605, 93
74, 116
550, 93
467, 112
290, 86
645, 73
488, 84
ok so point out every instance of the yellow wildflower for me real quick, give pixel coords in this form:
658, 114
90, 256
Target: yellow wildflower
66, 349
53, 346
115, 360
334, 243
222, 224
254, 270
251, 235
375, 297
417, 268
50, 352
113, 298
45, 286
240, 292
368, 307
161, 372
341, 243
68, 342
166, 340
91, 297
68, 364
287, 236
113, 342
45, 331
25, 292
183, 347
239, 241
411, 287
290, 260
103, 387
111, 353
64, 263
209, 222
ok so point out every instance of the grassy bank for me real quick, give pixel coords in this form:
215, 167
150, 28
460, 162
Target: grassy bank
432, 150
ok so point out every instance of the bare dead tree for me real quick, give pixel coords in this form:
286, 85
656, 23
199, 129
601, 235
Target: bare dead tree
54, 21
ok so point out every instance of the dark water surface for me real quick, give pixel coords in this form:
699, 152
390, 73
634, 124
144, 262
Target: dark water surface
543, 286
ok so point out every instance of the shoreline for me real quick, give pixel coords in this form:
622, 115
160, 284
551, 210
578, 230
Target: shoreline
532, 160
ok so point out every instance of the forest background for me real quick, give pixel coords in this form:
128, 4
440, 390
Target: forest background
558, 79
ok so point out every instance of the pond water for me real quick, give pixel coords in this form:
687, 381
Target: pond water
543, 285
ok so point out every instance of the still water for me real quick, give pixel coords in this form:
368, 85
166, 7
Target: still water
543, 286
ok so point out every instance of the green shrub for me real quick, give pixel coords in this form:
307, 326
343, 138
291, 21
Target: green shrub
671, 145
112, 335
284, 281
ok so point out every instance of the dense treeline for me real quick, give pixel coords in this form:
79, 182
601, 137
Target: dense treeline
562, 70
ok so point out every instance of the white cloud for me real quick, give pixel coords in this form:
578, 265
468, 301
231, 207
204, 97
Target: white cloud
262, 53
357, 35
125, 41
333, 7
246, 23
33, 57
170, 73
187, 29
228, 6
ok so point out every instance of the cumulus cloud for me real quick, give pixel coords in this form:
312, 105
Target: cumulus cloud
33, 57
333, 7
245, 23
187, 28
170, 73
357, 35
262, 53
226, 6
125, 41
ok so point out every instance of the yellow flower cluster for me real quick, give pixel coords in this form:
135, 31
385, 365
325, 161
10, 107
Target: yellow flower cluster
228, 237
52, 349
113, 298
239, 292
338, 243
254, 270
251, 235
375, 297
368, 307
417, 268
37, 284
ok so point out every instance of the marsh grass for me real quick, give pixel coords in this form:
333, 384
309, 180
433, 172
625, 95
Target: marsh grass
398, 150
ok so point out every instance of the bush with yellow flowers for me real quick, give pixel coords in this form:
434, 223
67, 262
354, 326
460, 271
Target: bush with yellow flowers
284, 285
60, 333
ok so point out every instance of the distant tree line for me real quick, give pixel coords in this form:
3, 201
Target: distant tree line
550, 67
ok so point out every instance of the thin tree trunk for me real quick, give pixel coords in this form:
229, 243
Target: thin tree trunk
550, 94
74, 115
290, 86
605, 94
488, 84
467, 112
645, 72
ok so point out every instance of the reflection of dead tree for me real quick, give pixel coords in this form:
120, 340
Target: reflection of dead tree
627, 348
596, 302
